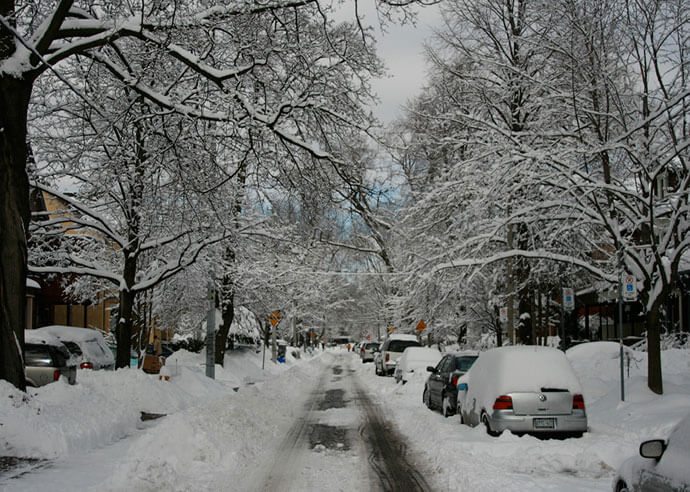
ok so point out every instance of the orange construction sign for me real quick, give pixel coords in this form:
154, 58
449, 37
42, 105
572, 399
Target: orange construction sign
421, 325
274, 318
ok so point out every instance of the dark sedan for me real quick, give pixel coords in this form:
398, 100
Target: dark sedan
440, 390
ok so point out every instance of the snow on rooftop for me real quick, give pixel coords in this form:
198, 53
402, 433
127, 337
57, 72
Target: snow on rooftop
32, 284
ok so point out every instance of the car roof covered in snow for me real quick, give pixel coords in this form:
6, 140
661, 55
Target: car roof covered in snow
39, 336
402, 336
71, 332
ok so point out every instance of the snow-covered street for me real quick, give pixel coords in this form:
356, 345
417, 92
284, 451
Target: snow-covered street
323, 421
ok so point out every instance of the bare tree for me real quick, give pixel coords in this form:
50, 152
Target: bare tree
262, 76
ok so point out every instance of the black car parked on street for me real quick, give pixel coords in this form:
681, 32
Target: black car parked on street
440, 390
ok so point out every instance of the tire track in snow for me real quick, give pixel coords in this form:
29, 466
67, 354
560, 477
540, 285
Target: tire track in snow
387, 450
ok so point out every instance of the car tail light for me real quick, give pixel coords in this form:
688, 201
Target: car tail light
388, 357
454, 380
503, 402
56, 374
578, 402
86, 365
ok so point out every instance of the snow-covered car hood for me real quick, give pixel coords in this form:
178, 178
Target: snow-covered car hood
631, 469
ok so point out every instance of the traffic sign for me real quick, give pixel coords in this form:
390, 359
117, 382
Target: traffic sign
274, 318
568, 299
421, 325
503, 314
629, 288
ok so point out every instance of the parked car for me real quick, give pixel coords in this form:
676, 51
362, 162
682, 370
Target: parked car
440, 389
46, 360
87, 345
415, 359
661, 466
524, 389
367, 351
391, 350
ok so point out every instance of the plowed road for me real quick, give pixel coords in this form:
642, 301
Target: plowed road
343, 437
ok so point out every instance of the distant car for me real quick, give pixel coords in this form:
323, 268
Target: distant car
440, 389
367, 351
663, 465
87, 345
524, 389
415, 359
391, 350
46, 360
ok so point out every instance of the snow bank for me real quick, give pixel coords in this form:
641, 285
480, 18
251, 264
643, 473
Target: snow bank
58, 420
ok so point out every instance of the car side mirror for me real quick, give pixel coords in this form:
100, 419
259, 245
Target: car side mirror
653, 449
462, 387
431, 369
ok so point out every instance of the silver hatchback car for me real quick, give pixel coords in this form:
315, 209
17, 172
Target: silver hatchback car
524, 389
46, 360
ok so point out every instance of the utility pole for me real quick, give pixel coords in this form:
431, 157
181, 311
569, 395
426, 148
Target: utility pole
211, 328
620, 320
274, 344
511, 286
293, 322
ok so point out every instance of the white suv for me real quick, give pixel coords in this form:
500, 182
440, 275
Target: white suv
391, 350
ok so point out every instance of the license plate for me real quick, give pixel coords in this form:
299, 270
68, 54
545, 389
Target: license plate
544, 423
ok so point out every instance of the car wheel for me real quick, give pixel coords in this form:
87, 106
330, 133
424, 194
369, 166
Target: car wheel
426, 398
485, 421
621, 486
447, 407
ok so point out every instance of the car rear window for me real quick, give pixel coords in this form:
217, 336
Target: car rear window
37, 356
73, 347
371, 345
464, 363
401, 345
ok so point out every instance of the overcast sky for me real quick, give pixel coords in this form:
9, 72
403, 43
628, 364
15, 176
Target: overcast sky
402, 50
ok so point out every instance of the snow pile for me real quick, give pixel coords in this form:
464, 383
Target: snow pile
104, 406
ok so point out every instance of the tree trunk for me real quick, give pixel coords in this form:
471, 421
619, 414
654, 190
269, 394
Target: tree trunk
227, 306
124, 328
654, 379
14, 222
525, 321
126, 311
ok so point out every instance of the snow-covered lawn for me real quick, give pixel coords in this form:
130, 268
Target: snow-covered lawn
214, 436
